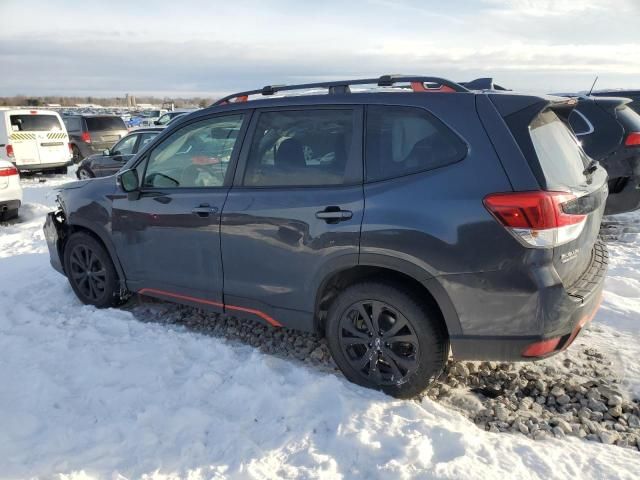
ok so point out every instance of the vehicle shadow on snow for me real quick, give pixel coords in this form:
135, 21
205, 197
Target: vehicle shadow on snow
573, 394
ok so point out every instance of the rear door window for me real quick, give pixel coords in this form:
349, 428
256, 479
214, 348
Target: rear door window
96, 124
561, 158
35, 123
304, 148
73, 124
405, 140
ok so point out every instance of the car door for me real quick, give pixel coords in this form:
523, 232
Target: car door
118, 155
167, 234
294, 212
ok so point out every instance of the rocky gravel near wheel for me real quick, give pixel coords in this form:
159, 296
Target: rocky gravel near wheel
575, 394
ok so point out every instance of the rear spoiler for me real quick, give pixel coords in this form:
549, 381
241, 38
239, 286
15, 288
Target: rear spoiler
513, 103
485, 83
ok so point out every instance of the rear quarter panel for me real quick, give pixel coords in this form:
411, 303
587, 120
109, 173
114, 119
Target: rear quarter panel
436, 220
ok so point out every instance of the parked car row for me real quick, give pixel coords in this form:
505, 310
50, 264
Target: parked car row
403, 221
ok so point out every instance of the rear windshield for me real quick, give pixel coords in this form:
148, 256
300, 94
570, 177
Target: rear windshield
105, 123
629, 119
561, 158
35, 123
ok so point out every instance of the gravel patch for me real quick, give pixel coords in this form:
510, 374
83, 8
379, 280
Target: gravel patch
576, 394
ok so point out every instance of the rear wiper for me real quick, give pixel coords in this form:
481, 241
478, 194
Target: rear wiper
592, 167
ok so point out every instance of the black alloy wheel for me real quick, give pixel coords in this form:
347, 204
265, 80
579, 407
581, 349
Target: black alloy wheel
88, 272
379, 342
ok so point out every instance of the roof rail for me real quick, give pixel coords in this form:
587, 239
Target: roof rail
342, 86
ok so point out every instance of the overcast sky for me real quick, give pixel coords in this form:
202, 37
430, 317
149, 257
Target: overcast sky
184, 47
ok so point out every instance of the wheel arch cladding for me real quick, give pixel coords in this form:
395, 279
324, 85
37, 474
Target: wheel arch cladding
424, 287
100, 237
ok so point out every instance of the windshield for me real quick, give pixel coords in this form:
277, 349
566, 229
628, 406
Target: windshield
35, 123
561, 158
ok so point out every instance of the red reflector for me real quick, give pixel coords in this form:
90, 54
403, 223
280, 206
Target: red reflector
632, 140
9, 149
86, 138
536, 210
8, 171
540, 349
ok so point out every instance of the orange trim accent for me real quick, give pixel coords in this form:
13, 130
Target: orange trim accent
270, 320
181, 297
419, 87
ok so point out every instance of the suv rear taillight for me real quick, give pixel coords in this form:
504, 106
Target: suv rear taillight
537, 219
86, 137
8, 171
9, 149
632, 140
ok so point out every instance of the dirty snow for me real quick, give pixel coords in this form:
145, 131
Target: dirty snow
90, 394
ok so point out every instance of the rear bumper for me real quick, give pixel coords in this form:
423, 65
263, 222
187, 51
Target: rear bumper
7, 205
566, 314
40, 167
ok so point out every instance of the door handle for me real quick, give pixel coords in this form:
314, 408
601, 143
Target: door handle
334, 215
204, 210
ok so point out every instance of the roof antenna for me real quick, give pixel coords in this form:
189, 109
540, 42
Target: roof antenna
592, 85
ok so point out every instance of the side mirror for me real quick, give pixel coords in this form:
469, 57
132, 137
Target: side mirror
157, 122
129, 180
106, 152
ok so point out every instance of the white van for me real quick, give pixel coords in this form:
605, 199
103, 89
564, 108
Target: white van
34, 140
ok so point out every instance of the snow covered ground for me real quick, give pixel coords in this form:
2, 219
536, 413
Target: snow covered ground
98, 394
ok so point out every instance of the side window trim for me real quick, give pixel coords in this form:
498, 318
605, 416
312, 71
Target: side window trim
232, 161
586, 120
358, 135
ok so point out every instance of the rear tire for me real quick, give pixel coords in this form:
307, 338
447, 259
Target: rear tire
90, 271
9, 215
76, 154
407, 349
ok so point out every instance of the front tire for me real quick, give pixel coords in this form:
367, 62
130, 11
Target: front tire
84, 173
384, 338
90, 271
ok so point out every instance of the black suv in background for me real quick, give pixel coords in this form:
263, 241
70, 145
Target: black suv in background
399, 222
610, 132
633, 95
111, 160
89, 134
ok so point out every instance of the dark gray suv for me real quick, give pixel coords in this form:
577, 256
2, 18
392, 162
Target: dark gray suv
400, 221
91, 134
